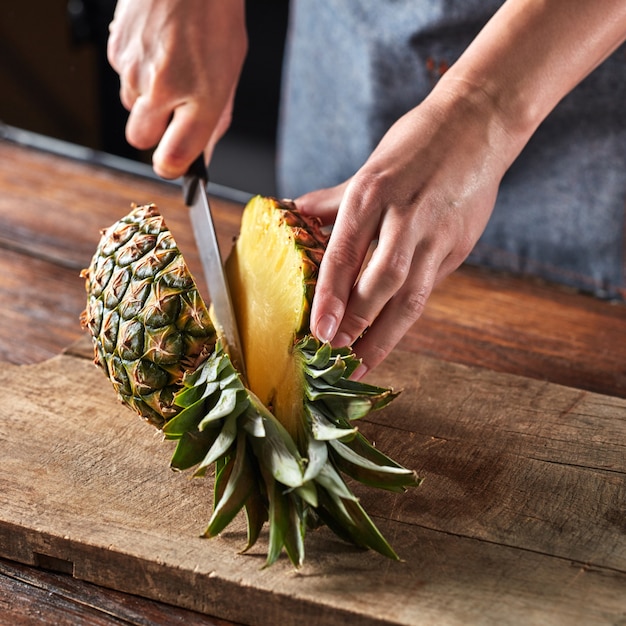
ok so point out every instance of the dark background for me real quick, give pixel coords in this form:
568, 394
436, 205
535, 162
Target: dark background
55, 81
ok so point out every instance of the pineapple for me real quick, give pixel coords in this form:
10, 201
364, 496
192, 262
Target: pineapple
280, 442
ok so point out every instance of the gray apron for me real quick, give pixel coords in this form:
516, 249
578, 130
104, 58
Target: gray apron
353, 68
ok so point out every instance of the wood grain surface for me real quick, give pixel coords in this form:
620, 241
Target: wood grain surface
520, 516
31, 595
520, 519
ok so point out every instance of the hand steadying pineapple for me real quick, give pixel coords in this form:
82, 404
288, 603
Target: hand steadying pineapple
281, 439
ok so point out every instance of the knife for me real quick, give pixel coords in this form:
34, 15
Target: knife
195, 195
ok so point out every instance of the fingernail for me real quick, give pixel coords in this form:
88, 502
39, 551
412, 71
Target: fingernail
359, 372
326, 328
342, 340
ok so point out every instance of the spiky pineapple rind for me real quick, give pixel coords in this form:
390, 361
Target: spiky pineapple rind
147, 320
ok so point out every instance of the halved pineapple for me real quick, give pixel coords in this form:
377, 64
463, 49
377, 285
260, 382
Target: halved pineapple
272, 273
280, 444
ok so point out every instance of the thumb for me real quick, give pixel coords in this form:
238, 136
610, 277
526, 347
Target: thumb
322, 203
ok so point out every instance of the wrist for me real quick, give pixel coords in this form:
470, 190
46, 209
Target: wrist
530, 55
486, 115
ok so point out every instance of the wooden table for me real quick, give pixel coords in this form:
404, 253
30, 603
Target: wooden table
505, 339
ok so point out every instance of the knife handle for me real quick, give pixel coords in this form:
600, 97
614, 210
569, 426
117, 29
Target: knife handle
197, 172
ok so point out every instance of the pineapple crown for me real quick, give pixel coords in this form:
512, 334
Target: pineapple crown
260, 468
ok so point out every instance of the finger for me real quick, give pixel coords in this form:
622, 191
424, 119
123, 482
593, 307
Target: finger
128, 95
322, 203
126, 67
383, 276
397, 316
357, 223
114, 47
184, 139
146, 123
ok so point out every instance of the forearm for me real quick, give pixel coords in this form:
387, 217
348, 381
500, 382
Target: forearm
532, 53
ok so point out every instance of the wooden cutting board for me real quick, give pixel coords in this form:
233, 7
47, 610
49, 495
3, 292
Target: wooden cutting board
521, 517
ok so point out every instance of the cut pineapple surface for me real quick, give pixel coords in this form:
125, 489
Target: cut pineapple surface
280, 444
271, 274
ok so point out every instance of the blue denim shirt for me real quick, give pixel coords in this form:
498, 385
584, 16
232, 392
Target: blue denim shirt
354, 67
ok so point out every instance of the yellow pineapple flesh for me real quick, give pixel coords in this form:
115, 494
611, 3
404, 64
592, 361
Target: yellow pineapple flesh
272, 272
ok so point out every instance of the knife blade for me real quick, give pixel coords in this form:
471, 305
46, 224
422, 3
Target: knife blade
195, 195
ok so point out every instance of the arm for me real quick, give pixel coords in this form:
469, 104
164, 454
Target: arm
179, 63
428, 189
